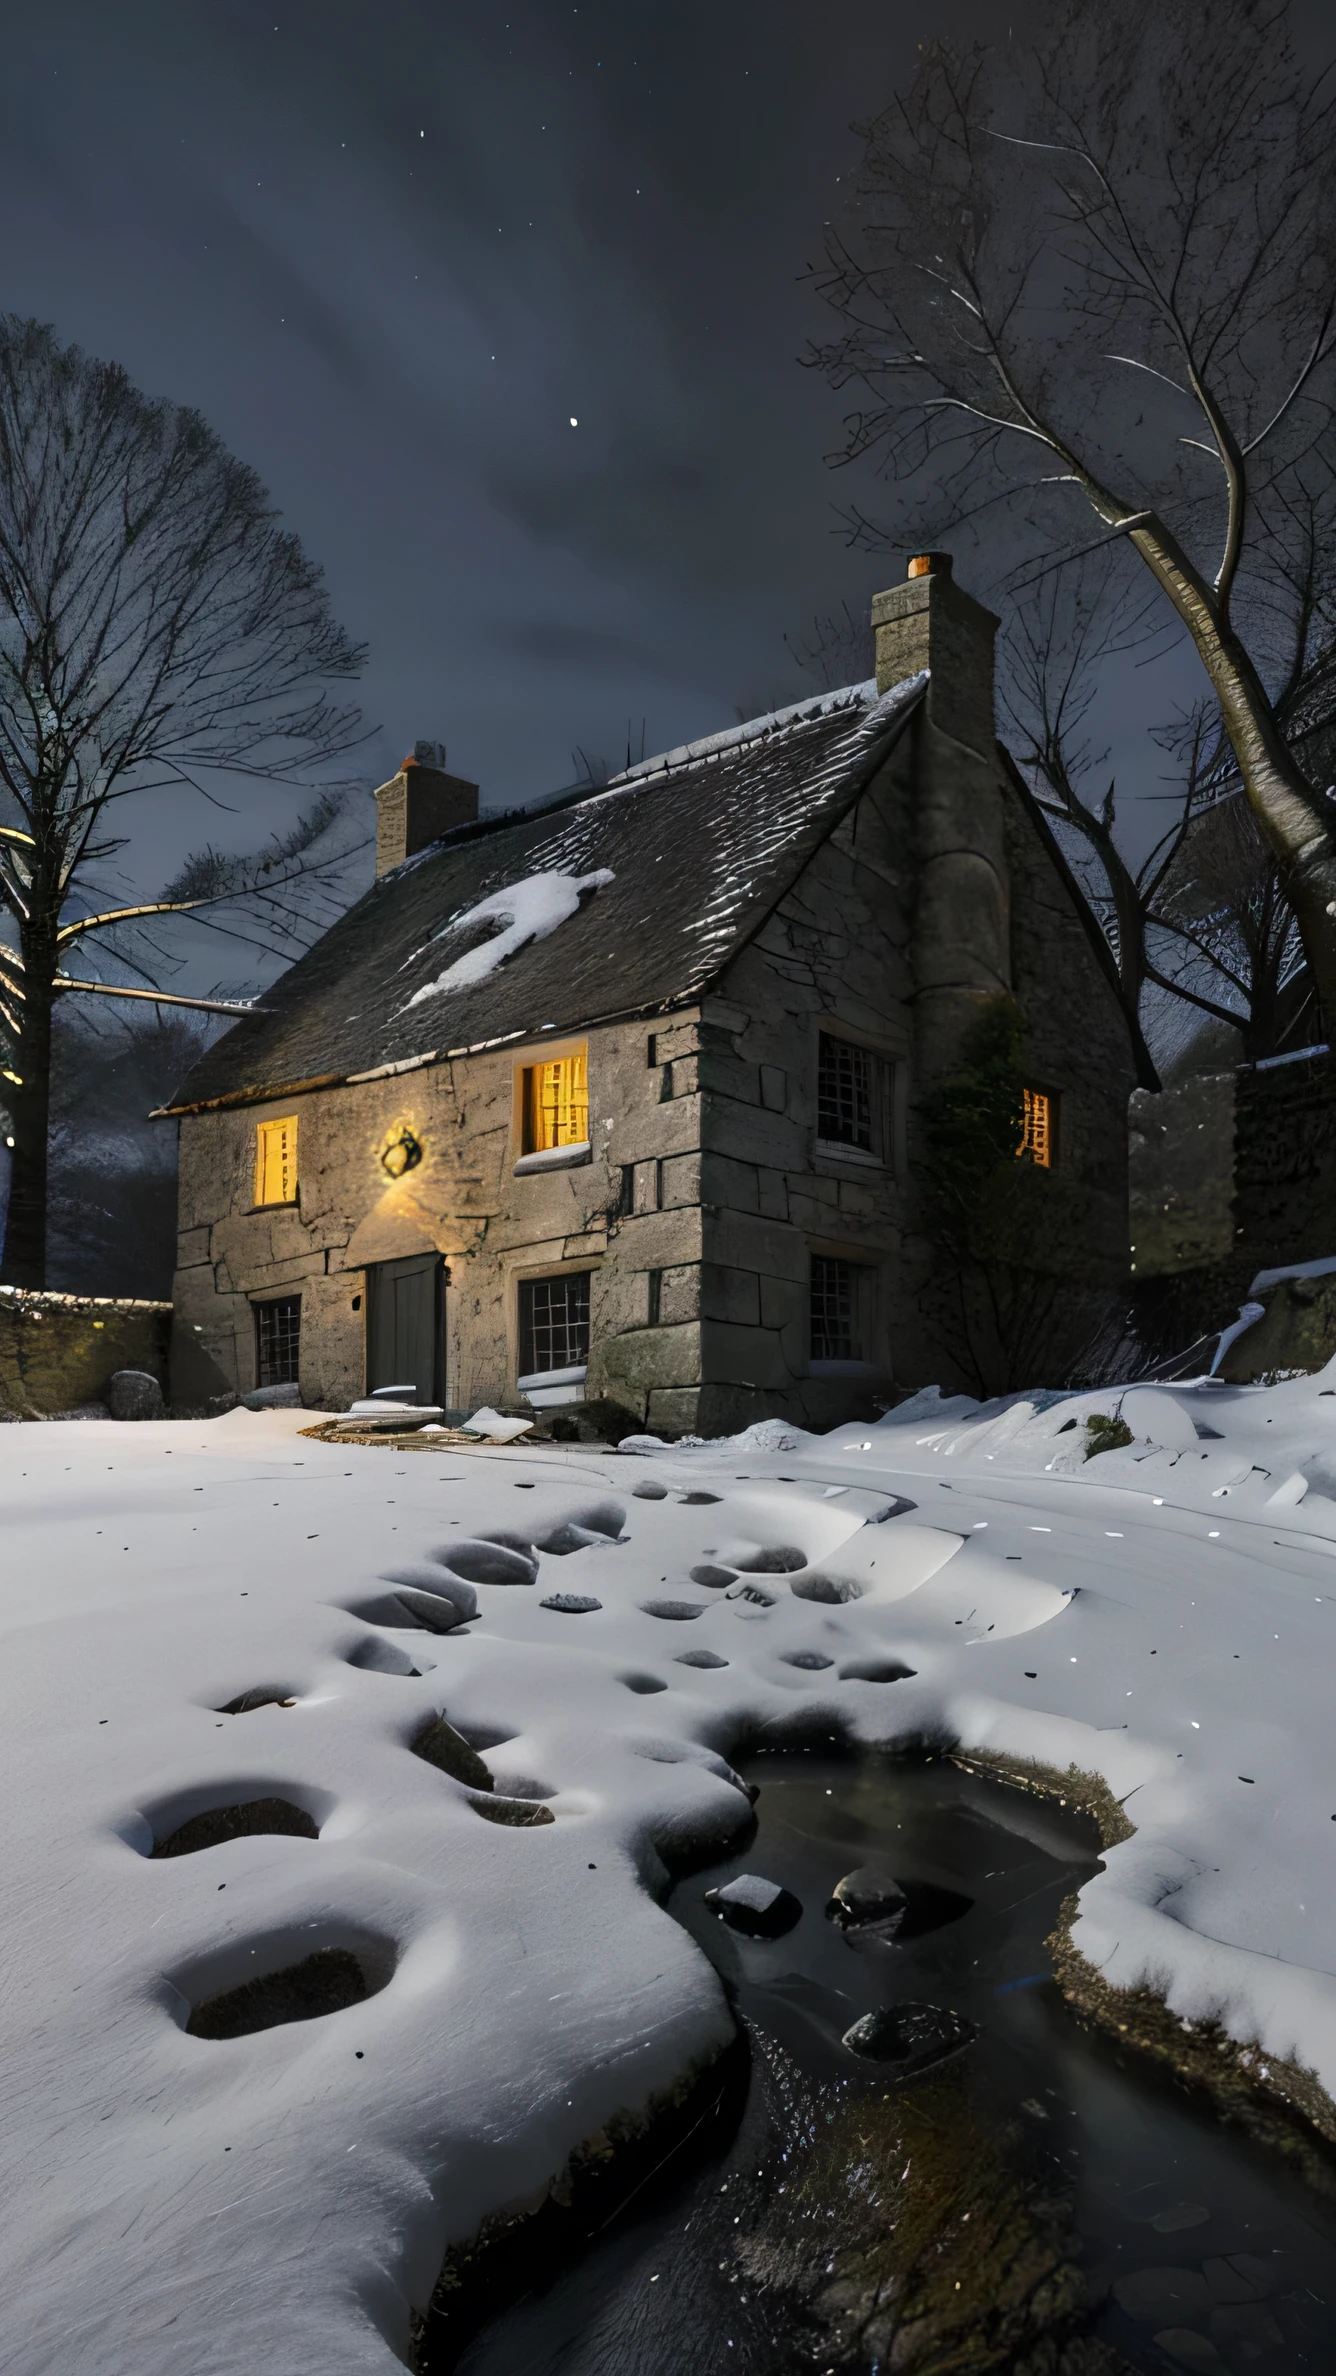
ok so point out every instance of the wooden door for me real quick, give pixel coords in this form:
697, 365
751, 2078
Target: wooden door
404, 1331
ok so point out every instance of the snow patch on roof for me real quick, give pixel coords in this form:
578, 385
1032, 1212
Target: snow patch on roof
522, 912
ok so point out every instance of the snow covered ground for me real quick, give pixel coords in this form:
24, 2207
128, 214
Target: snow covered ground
1164, 1615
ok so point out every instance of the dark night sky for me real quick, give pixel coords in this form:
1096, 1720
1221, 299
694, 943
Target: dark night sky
390, 250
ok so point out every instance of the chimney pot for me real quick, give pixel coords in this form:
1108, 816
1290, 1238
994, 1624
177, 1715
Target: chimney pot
419, 804
929, 565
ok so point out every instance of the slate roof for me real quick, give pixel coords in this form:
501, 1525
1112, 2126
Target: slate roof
701, 843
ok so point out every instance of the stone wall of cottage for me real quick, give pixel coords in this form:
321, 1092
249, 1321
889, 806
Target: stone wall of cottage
834, 955
462, 1200
876, 946
1079, 1050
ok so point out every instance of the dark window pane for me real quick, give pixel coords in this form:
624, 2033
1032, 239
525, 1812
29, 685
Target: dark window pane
834, 1309
278, 1328
843, 1093
554, 1323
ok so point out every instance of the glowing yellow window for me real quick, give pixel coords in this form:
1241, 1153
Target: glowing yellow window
276, 1162
1037, 1128
556, 1103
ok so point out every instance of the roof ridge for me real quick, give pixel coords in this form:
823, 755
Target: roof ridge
758, 729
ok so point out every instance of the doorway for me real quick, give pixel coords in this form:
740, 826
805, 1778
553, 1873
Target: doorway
404, 1333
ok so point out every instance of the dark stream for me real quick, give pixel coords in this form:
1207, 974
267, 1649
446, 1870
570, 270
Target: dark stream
1058, 2205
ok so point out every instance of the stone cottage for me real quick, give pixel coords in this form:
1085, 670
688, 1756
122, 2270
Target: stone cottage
618, 1100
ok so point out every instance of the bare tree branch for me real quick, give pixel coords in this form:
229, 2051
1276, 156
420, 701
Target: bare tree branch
1130, 188
157, 626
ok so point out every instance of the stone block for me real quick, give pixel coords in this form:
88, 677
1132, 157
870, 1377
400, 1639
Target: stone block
724, 1074
680, 1294
680, 1179
654, 1241
772, 1191
732, 1295
192, 1247
743, 1356
672, 1128
745, 1241
855, 1198
784, 1302
774, 1088
724, 1182
752, 1134
684, 1076
723, 1014
813, 1204
627, 1368
618, 1300
673, 1411
678, 1040
266, 1278
645, 1196
584, 1243
795, 1337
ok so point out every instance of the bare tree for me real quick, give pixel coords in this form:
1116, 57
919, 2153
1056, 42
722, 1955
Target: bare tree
1202, 916
1092, 280
157, 626
838, 650
1221, 933
1059, 638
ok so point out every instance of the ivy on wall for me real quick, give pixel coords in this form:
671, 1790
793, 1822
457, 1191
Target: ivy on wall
972, 1125
1014, 1289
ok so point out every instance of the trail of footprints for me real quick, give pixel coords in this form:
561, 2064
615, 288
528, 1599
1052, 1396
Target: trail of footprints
438, 1595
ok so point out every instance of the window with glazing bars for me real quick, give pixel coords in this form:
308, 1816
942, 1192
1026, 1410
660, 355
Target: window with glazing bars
554, 1323
834, 1309
1037, 1128
556, 1103
278, 1329
843, 1093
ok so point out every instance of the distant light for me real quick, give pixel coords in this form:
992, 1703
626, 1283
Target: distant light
574, 423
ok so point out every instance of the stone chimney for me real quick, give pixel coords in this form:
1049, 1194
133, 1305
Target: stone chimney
419, 803
928, 622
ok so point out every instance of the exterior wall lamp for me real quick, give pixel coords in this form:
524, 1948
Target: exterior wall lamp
401, 1154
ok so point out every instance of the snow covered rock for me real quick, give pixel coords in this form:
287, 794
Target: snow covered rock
493, 1426
760, 1908
287, 1397
135, 1394
868, 1898
446, 1749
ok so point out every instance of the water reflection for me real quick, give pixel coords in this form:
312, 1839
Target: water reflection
1033, 2203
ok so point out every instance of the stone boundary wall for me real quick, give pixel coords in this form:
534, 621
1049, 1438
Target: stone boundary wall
1285, 1161
60, 1350
1234, 1173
